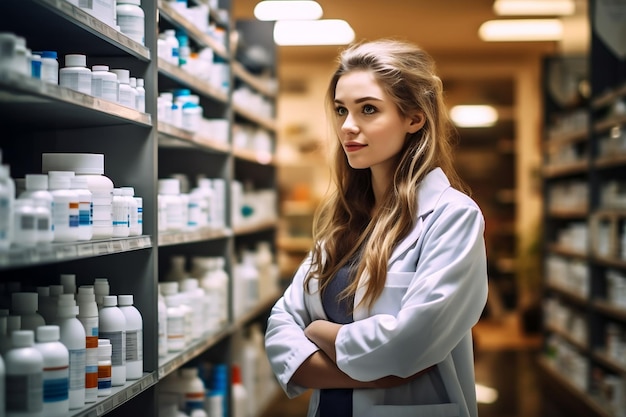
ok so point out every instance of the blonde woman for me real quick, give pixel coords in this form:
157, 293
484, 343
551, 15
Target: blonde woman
378, 318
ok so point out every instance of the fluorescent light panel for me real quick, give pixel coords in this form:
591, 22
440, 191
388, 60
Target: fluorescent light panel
478, 115
288, 10
534, 7
515, 30
313, 32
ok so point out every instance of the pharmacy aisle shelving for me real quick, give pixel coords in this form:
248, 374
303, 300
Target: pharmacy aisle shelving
140, 148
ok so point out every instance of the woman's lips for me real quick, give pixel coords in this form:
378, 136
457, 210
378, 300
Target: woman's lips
353, 147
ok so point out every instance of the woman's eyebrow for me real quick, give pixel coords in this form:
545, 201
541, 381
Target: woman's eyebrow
360, 100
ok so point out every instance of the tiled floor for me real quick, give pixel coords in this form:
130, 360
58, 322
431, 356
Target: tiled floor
505, 362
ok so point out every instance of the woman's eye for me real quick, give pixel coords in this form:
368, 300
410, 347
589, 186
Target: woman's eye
341, 111
368, 109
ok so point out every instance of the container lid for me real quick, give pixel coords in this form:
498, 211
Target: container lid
125, 300
140, 82
169, 186
100, 68
128, 191
36, 182
56, 289
69, 283
75, 60
123, 75
168, 288
49, 54
135, 2
59, 183
104, 349
24, 302
80, 163
49, 333
66, 306
109, 301
22, 338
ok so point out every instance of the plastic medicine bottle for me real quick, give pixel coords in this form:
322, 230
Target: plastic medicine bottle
73, 337
112, 326
88, 316
129, 194
134, 337
37, 189
193, 389
92, 167
104, 83
131, 19
49, 67
7, 200
24, 376
56, 371
85, 207
25, 223
104, 367
65, 208
127, 96
141, 95
75, 75
121, 214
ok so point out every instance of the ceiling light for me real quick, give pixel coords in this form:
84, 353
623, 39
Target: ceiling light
474, 115
534, 7
313, 32
288, 10
521, 30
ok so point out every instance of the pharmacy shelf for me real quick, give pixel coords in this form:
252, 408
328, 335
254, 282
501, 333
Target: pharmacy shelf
261, 158
572, 296
261, 85
566, 170
119, 396
609, 309
25, 100
174, 137
68, 25
200, 235
249, 115
177, 74
247, 230
61, 252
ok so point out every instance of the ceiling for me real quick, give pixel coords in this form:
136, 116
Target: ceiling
445, 28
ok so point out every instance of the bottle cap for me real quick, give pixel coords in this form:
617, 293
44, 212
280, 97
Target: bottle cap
66, 306
104, 349
68, 281
125, 300
128, 191
109, 301
49, 54
22, 338
56, 289
36, 182
169, 186
100, 68
123, 75
75, 60
24, 302
49, 333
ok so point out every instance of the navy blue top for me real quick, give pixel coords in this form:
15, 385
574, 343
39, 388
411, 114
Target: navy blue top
337, 402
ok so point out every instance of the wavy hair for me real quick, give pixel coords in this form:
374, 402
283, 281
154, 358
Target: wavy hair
345, 229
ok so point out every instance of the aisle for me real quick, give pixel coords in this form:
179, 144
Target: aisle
505, 366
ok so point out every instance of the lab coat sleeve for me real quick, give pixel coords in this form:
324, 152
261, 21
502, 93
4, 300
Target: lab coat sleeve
443, 301
285, 343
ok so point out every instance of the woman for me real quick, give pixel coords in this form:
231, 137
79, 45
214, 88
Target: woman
378, 318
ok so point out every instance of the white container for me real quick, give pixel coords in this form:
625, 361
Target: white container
141, 95
7, 200
56, 371
13, 322
85, 207
121, 214
173, 205
88, 316
25, 304
35, 66
65, 207
162, 325
131, 19
129, 195
197, 300
25, 232
112, 326
68, 281
92, 167
134, 337
193, 390
101, 289
49, 67
104, 83
175, 321
37, 189
139, 201
239, 394
169, 36
24, 371
127, 96
104, 367
75, 75
73, 337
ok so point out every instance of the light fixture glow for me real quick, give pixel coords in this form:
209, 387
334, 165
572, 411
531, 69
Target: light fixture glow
516, 30
313, 32
288, 10
474, 115
534, 7
486, 395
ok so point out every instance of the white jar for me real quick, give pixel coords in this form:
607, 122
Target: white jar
101, 289
127, 95
75, 75
104, 83
37, 189
175, 323
193, 389
172, 46
112, 326
129, 194
134, 337
121, 214
105, 352
141, 95
65, 208
92, 167
25, 223
172, 204
131, 19
56, 371
162, 325
73, 337
85, 207
24, 371
49, 67
139, 201
88, 316
35, 65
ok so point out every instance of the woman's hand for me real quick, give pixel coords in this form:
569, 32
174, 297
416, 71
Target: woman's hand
323, 333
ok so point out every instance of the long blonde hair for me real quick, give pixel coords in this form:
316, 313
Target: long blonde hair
345, 227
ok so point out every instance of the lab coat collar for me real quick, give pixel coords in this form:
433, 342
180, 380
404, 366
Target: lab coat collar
430, 190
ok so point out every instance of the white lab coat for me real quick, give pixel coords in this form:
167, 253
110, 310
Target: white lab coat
435, 292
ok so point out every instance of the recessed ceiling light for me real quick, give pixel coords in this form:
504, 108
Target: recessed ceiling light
534, 7
288, 10
516, 30
478, 115
313, 32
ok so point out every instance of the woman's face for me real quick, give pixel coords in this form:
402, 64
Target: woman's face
371, 129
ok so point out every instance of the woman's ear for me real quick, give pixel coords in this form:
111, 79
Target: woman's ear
416, 122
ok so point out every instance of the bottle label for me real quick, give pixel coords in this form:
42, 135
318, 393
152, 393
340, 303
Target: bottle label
24, 393
77, 369
118, 346
134, 345
104, 375
56, 384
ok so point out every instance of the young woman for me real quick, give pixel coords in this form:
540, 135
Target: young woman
378, 318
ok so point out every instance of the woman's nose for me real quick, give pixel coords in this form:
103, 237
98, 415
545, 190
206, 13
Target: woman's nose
349, 125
